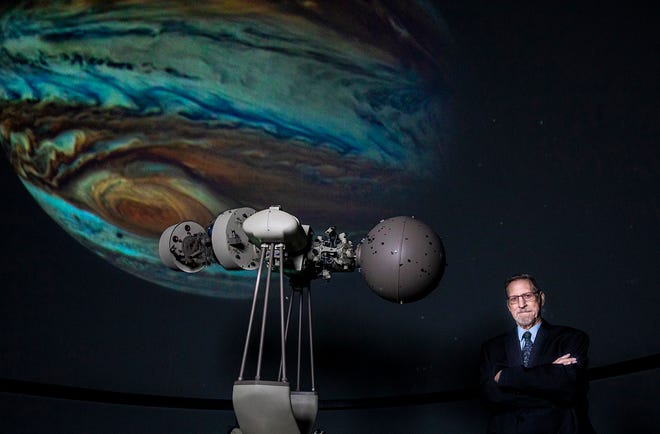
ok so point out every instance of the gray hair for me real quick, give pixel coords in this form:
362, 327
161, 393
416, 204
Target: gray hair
521, 276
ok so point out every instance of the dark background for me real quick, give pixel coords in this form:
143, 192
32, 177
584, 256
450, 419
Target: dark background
552, 169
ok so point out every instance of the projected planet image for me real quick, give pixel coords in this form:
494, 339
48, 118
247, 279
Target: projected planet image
122, 118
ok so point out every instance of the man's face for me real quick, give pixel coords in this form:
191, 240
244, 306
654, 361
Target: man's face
526, 313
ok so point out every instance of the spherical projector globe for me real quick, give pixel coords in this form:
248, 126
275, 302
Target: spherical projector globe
402, 259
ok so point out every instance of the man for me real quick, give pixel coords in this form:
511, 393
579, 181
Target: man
535, 382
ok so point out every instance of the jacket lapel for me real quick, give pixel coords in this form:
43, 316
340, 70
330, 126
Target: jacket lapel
539, 343
513, 354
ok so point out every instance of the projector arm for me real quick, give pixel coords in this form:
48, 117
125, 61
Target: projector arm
401, 258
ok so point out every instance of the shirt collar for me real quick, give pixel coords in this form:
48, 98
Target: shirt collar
534, 330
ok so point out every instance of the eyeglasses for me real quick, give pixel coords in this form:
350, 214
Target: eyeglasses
528, 296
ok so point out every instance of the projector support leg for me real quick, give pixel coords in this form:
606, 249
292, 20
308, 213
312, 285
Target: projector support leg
282, 337
254, 303
298, 294
271, 254
311, 344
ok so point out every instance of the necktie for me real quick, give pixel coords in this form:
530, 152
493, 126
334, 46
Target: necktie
527, 348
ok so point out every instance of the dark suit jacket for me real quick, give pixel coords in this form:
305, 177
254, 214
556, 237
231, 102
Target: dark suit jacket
543, 398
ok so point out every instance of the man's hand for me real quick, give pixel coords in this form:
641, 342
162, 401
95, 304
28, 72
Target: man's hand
497, 376
566, 359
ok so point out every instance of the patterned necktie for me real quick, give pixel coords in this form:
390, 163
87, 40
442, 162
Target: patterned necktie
527, 348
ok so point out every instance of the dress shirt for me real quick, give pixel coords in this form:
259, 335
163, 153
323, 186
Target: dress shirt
533, 331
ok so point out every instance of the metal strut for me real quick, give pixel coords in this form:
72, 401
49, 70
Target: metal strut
270, 250
298, 296
251, 320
